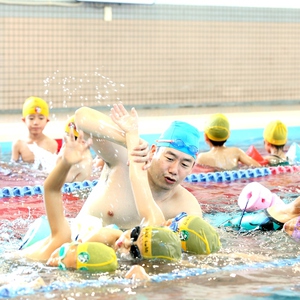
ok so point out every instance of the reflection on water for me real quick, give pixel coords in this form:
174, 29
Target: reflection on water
254, 265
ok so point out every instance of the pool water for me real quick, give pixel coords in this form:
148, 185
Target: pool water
257, 265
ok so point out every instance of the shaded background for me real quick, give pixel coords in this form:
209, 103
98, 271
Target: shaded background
149, 56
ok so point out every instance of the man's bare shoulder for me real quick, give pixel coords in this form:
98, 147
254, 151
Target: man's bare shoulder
186, 201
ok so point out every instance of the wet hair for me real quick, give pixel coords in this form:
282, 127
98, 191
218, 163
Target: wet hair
217, 143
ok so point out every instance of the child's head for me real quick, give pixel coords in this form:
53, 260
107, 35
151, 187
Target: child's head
35, 105
150, 242
217, 129
198, 236
92, 256
160, 243
71, 124
276, 133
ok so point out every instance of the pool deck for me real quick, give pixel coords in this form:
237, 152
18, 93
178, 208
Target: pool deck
153, 121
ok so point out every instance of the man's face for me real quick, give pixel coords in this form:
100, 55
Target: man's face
169, 167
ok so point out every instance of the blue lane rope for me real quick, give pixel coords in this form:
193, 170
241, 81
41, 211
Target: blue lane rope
225, 176
9, 291
228, 175
39, 189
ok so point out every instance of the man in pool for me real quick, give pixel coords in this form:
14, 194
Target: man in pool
172, 159
216, 133
90, 246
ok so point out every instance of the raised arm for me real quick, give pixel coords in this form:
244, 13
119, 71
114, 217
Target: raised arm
98, 125
73, 153
145, 204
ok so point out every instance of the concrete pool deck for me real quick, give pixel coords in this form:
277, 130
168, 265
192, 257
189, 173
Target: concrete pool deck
153, 121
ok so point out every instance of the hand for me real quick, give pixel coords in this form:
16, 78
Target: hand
122, 118
74, 150
167, 222
141, 153
137, 272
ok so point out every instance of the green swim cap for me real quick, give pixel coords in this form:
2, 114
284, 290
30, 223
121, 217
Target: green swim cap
161, 243
96, 257
198, 236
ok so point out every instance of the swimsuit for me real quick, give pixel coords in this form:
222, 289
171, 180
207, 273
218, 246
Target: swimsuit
43, 159
80, 227
278, 161
257, 220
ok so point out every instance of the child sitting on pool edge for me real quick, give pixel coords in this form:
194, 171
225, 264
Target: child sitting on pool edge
36, 146
216, 133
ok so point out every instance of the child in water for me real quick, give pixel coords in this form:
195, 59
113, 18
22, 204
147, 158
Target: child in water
216, 133
82, 170
275, 138
35, 116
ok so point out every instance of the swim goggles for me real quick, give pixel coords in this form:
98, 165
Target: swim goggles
62, 254
174, 225
134, 249
178, 143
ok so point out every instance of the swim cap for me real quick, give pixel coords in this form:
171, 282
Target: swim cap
217, 128
182, 137
35, 105
276, 133
71, 124
93, 256
198, 236
161, 243
255, 196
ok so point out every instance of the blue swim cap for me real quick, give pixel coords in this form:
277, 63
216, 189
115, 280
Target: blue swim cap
182, 137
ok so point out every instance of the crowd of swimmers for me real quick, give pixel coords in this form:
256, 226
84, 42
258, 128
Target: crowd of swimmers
139, 189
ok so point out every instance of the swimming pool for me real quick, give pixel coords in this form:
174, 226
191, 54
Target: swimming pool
267, 265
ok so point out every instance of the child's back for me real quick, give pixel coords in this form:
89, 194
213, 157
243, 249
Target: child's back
216, 133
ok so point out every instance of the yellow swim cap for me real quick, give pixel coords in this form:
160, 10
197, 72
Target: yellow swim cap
198, 236
217, 128
160, 243
35, 105
71, 124
96, 257
276, 133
